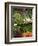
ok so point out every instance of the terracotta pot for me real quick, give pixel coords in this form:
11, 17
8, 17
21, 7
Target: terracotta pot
27, 34
30, 34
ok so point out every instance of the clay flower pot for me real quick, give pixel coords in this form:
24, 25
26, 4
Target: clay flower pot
30, 34
27, 34
24, 34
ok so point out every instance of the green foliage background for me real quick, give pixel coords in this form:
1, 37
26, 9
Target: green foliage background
17, 18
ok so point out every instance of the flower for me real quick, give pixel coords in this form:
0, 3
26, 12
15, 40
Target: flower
15, 24
28, 19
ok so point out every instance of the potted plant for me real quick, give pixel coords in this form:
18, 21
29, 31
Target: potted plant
23, 23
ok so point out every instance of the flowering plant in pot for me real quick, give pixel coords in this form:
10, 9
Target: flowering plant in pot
22, 23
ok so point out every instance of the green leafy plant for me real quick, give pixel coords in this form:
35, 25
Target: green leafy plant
20, 21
